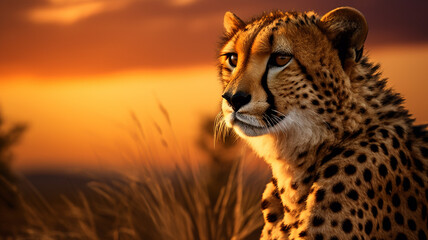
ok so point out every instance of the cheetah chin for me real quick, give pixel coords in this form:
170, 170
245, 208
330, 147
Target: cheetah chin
248, 126
296, 128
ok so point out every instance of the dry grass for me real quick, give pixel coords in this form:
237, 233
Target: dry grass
213, 201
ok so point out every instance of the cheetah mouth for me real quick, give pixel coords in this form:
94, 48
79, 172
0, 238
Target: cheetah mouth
249, 126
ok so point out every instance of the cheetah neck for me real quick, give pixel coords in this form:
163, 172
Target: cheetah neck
295, 153
293, 165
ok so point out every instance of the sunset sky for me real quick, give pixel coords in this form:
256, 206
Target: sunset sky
73, 70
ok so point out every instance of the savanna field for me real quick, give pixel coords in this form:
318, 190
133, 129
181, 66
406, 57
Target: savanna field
185, 201
109, 115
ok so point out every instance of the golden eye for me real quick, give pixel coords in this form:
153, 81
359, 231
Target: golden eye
281, 60
233, 59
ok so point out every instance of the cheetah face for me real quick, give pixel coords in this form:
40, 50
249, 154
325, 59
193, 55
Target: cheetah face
263, 83
267, 69
251, 109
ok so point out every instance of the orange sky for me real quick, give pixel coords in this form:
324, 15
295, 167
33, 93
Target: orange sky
57, 38
89, 121
74, 70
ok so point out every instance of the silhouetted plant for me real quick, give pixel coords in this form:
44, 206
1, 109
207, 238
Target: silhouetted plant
8, 138
9, 203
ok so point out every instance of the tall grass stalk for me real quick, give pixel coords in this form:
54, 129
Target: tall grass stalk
189, 202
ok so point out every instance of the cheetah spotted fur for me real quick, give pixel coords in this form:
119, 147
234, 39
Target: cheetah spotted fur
347, 160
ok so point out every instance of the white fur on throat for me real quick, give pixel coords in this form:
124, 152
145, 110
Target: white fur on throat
300, 129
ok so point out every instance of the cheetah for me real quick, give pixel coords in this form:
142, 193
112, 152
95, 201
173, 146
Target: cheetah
347, 160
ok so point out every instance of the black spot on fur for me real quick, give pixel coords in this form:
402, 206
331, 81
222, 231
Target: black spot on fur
401, 236
418, 179
294, 185
374, 148
397, 181
406, 184
368, 227
334, 152
285, 228
274, 182
307, 179
393, 162
271, 217
302, 199
412, 203
365, 206
302, 154
383, 171
384, 149
395, 143
317, 221
399, 219
362, 158
264, 204
311, 168
335, 206
370, 193
380, 203
399, 130
319, 236
347, 226
348, 153
403, 158
396, 200
372, 128
384, 133
350, 169
367, 175
331, 171
386, 224
422, 235
412, 225
319, 195
352, 195
338, 188
360, 213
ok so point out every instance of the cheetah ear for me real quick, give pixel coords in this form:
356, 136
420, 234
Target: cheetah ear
348, 29
232, 23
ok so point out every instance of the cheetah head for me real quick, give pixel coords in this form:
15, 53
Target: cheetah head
283, 73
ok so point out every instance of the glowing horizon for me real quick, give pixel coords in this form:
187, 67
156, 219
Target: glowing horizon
85, 122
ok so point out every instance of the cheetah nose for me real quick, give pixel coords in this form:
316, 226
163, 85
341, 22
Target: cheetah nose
238, 99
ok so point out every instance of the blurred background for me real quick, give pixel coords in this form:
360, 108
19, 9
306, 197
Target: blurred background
74, 69
81, 81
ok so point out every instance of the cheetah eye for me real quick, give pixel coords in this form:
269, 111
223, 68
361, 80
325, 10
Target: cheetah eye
232, 59
280, 59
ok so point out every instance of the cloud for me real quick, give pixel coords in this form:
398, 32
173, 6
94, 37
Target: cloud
102, 36
68, 12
